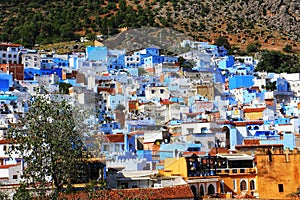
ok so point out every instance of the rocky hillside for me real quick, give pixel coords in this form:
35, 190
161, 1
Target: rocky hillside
274, 23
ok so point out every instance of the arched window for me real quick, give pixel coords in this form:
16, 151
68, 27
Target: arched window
211, 189
201, 191
222, 187
194, 190
252, 185
243, 185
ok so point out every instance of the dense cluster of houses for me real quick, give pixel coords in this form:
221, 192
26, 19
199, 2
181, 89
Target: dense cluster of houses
217, 126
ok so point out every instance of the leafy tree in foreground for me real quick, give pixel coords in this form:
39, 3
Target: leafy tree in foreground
49, 139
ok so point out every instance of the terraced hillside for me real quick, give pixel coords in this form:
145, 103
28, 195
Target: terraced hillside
274, 23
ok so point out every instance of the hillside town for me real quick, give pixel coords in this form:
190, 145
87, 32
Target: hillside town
203, 122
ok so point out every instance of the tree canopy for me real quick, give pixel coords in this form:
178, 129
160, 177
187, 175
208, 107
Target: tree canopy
275, 61
49, 139
223, 41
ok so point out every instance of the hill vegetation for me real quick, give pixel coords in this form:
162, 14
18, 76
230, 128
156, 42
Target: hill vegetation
273, 23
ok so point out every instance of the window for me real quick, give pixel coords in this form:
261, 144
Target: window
161, 91
4, 148
252, 185
210, 144
152, 91
211, 189
280, 187
15, 176
243, 185
222, 187
190, 130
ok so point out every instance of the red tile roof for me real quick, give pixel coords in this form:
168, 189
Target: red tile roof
249, 110
215, 151
8, 166
4, 141
166, 102
175, 192
10, 45
244, 123
240, 123
251, 142
116, 137
258, 146
190, 153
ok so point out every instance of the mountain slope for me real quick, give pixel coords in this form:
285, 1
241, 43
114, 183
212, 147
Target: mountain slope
274, 23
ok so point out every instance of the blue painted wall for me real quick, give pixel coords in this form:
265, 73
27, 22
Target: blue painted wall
96, 53
240, 81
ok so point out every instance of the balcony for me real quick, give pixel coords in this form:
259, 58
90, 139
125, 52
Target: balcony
236, 171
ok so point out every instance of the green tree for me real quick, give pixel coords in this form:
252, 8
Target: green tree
120, 107
49, 139
253, 47
122, 5
288, 48
64, 88
141, 71
275, 61
222, 41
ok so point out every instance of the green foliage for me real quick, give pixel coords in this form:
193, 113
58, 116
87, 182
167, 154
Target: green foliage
49, 138
275, 61
288, 48
22, 193
46, 22
4, 195
120, 107
271, 86
253, 47
64, 88
122, 5
222, 41
141, 71
235, 50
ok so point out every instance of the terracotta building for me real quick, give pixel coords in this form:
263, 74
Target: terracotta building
278, 173
17, 70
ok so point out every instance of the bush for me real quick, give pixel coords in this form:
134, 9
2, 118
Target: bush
254, 47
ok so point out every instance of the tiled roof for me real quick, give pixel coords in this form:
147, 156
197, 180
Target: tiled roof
249, 110
258, 145
190, 153
240, 123
137, 133
215, 151
244, 123
175, 192
8, 166
4, 141
166, 102
116, 137
10, 45
251, 142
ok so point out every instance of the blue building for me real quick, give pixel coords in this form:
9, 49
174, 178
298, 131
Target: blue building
98, 53
240, 81
59, 62
226, 62
29, 73
282, 85
6, 81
